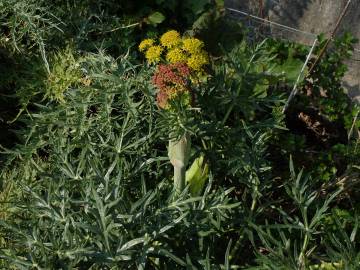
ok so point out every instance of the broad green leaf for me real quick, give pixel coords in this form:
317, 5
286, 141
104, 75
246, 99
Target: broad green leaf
156, 18
291, 69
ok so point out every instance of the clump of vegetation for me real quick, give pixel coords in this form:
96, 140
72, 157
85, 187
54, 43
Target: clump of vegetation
101, 173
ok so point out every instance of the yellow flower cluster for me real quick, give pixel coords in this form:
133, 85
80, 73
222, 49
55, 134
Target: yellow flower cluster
146, 44
177, 50
197, 60
153, 54
170, 39
187, 50
176, 55
192, 45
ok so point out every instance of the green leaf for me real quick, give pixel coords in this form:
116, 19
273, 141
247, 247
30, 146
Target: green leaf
197, 175
291, 69
156, 18
132, 243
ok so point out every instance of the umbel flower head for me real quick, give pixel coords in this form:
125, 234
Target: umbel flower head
176, 55
176, 49
146, 44
192, 45
172, 83
197, 61
153, 54
171, 74
170, 39
180, 60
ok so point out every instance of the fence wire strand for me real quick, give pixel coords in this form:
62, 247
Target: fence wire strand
295, 89
312, 39
276, 24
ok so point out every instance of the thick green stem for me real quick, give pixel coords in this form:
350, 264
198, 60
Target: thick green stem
179, 178
179, 152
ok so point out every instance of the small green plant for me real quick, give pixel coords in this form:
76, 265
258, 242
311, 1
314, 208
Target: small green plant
282, 250
65, 72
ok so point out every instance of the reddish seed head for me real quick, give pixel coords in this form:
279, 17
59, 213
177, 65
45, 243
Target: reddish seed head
172, 74
170, 79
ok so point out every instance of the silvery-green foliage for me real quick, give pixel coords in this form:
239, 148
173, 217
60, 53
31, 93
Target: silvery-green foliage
95, 183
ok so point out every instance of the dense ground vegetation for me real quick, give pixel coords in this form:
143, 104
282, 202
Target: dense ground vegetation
86, 181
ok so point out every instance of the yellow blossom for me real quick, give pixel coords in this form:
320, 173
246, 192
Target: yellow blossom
145, 44
153, 54
176, 55
198, 60
170, 39
192, 45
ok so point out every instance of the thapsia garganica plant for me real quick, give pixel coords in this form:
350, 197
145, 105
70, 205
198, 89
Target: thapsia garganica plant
184, 63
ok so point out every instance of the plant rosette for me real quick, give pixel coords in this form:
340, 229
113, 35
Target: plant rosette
179, 62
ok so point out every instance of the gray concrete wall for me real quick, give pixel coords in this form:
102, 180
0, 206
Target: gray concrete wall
313, 16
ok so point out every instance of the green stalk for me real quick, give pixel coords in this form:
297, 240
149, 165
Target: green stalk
302, 256
179, 179
179, 152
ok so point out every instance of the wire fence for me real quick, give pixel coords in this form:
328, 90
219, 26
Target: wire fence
265, 28
261, 27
